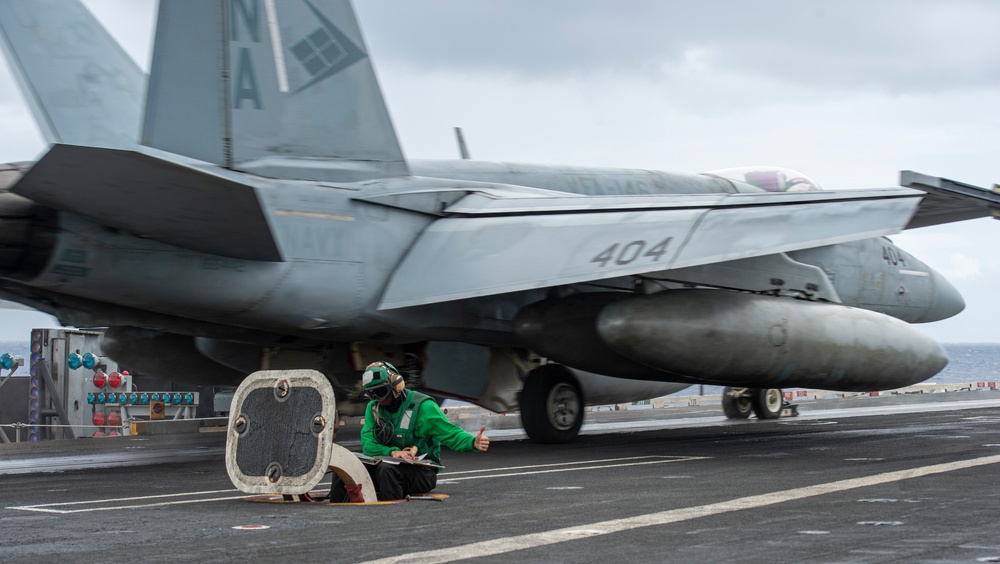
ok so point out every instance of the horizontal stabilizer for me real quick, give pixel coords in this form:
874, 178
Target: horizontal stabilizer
153, 198
948, 201
82, 88
492, 246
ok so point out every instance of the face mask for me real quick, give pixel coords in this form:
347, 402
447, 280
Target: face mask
395, 402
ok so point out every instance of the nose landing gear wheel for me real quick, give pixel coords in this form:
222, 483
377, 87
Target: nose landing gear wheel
736, 402
767, 403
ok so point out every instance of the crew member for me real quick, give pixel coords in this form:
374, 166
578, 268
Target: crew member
402, 423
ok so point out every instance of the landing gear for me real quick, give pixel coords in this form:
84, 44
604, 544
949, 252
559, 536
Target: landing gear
766, 403
551, 405
736, 403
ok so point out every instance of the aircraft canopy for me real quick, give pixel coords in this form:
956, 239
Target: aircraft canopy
770, 178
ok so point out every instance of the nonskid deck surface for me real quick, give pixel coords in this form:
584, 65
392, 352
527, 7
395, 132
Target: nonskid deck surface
882, 479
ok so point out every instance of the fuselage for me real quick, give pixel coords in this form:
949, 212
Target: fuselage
340, 252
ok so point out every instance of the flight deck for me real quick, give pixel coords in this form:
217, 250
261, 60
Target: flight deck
850, 480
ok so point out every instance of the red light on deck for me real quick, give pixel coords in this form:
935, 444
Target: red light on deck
114, 419
98, 419
98, 433
100, 379
114, 379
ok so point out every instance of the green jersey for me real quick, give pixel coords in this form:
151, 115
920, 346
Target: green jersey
418, 422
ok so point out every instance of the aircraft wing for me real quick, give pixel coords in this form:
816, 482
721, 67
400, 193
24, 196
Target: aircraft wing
947, 200
487, 244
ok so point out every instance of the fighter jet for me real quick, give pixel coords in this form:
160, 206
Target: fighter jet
248, 206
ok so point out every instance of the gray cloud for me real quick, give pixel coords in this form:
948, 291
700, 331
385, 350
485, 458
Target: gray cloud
893, 46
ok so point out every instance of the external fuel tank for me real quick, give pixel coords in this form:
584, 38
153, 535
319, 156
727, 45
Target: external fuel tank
761, 341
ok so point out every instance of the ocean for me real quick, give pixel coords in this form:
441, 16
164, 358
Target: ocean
969, 362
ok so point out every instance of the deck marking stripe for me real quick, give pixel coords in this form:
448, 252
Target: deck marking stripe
41, 509
589, 530
138, 498
594, 465
551, 465
552, 470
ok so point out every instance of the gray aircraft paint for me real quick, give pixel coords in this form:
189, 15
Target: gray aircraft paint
95, 74
276, 107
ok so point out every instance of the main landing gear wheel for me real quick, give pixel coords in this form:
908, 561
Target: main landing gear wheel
736, 402
551, 405
767, 403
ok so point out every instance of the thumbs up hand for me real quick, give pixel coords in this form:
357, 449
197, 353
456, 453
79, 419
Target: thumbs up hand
481, 442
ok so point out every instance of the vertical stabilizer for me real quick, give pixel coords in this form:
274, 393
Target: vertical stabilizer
281, 88
81, 86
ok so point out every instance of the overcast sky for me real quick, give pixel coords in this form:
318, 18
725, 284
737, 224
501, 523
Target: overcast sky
849, 93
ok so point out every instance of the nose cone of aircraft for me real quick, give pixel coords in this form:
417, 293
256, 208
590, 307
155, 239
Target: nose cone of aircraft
946, 300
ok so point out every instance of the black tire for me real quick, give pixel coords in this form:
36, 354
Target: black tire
767, 403
735, 403
551, 405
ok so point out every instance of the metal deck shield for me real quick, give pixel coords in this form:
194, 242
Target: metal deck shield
281, 431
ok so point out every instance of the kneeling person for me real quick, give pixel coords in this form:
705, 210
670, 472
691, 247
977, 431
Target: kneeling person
396, 420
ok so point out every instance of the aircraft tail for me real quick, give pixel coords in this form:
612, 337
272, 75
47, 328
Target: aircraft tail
282, 89
81, 86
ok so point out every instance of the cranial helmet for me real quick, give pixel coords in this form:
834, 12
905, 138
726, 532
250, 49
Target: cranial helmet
380, 379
